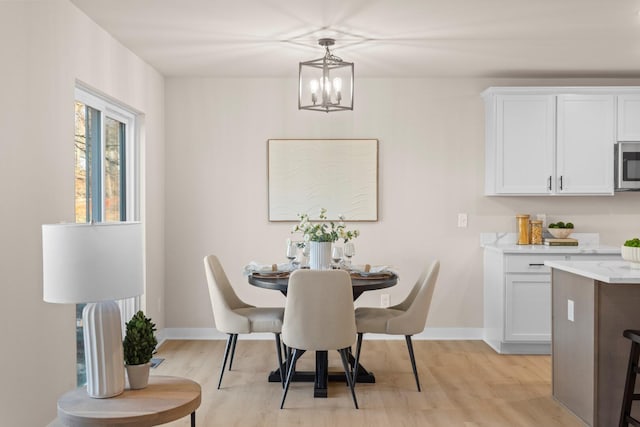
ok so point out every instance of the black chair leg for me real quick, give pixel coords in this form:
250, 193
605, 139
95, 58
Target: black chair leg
292, 367
350, 381
413, 360
630, 384
224, 360
233, 349
356, 362
279, 354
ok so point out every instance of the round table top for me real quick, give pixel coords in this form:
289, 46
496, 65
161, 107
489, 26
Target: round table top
165, 399
359, 281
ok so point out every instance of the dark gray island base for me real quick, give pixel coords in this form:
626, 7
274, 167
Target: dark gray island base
589, 353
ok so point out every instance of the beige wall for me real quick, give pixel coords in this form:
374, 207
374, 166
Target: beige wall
431, 134
45, 47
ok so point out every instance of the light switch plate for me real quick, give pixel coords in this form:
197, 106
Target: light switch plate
384, 300
570, 310
462, 220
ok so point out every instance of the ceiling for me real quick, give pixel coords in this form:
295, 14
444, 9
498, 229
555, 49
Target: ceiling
385, 38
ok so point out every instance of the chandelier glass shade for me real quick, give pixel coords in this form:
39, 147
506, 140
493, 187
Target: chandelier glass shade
326, 84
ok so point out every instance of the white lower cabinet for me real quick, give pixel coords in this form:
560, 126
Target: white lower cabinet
517, 300
527, 308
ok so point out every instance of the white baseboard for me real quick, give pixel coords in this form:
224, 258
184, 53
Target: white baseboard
444, 334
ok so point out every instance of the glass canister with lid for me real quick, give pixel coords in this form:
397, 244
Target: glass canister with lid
536, 232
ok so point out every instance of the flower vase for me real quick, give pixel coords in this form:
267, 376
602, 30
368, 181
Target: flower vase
320, 255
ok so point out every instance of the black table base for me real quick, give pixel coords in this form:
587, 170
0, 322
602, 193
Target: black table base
321, 376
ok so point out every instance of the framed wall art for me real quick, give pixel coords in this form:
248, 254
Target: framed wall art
306, 175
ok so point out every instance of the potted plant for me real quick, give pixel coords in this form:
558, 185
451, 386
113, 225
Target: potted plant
320, 236
139, 344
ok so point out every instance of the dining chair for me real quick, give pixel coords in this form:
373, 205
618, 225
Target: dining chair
319, 316
407, 318
233, 316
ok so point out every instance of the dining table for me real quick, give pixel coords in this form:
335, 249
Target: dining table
361, 282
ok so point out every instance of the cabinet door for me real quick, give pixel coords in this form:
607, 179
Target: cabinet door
628, 118
525, 126
585, 144
527, 307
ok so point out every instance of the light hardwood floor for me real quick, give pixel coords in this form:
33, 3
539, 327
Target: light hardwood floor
464, 383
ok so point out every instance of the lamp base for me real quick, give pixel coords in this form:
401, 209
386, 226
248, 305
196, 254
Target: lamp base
104, 357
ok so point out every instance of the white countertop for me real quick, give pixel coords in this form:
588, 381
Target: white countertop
604, 271
588, 243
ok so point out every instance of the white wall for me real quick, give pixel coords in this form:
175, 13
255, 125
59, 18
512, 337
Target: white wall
45, 47
431, 134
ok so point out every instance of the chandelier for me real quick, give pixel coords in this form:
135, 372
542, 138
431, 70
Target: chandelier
326, 84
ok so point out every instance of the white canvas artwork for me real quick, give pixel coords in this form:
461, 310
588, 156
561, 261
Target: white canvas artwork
306, 175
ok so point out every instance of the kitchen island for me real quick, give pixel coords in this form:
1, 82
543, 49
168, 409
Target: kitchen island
593, 302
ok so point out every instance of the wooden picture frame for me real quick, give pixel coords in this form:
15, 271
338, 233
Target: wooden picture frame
305, 175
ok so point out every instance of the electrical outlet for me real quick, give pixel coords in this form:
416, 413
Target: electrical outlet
384, 300
462, 220
543, 218
570, 310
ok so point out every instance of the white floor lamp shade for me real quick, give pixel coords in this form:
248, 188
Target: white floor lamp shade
95, 264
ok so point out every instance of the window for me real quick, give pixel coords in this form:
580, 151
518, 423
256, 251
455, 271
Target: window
105, 175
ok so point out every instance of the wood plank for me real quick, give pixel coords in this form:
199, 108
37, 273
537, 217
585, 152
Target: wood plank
464, 383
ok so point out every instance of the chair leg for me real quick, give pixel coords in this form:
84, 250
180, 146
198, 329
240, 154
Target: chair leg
630, 385
287, 356
279, 354
224, 360
356, 362
413, 360
233, 349
345, 364
292, 367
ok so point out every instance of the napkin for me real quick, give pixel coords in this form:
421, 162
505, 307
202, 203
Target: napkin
374, 269
254, 267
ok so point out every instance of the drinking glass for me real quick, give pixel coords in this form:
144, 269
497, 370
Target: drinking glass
306, 251
292, 252
336, 256
349, 251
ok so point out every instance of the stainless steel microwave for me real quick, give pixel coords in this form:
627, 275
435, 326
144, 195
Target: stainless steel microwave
627, 166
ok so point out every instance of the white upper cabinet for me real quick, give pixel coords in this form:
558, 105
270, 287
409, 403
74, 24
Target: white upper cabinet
585, 144
550, 141
629, 117
524, 143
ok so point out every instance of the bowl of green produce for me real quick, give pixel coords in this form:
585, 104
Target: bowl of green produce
560, 230
631, 252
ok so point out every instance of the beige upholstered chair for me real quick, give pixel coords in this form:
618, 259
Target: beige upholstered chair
233, 316
407, 318
319, 316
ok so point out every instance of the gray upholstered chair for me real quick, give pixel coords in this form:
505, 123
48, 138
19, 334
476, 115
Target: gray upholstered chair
233, 316
319, 316
407, 318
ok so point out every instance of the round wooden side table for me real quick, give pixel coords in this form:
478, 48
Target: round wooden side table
165, 399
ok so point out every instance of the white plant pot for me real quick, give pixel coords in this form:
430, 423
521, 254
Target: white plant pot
632, 255
320, 255
138, 375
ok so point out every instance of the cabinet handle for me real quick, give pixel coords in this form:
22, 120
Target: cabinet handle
549, 183
535, 265
561, 182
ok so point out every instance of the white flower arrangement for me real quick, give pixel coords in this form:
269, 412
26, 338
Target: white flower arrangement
324, 232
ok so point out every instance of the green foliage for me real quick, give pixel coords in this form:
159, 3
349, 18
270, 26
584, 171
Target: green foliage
561, 224
324, 232
139, 341
634, 243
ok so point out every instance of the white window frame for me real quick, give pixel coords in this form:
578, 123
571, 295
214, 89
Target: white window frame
115, 110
